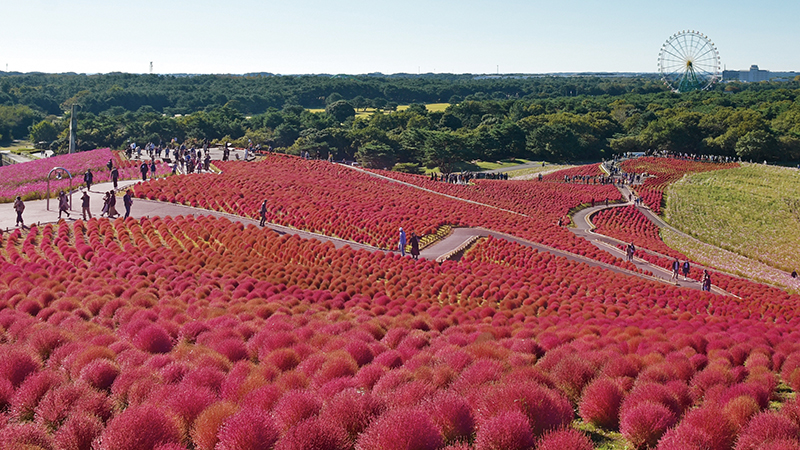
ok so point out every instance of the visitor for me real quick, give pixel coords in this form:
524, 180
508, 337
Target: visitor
19, 206
263, 212
402, 242
88, 177
85, 205
114, 176
794, 274
706, 281
143, 169
110, 164
63, 203
127, 201
631, 251
676, 267
152, 168
112, 205
106, 198
414, 241
686, 267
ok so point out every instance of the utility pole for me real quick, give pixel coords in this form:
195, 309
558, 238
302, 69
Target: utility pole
73, 129
151, 67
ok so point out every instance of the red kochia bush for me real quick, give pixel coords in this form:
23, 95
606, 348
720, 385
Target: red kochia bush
506, 431
451, 413
564, 439
293, 407
100, 373
207, 425
153, 339
16, 365
766, 428
401, 429
78, 432
25, 436
142, 427
702, 428
314, 433
600, 403
248, 429
352, 410
643, 424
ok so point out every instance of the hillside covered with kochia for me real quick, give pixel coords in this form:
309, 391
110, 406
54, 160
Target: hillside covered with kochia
201, 333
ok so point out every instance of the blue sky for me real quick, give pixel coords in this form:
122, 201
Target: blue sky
359, 36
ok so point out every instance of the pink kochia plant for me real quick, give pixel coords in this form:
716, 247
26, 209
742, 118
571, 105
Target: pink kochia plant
401, 429
643, 424
600, 403
143, 427
248, 429
766, 428
506, 431
564, 439
314, 433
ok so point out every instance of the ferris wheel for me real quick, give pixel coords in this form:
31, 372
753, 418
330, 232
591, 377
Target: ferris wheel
689, 61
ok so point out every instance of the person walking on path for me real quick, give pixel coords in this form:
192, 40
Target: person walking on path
112, 205
263, 212
104, 211
686, 268
85, 205
706, 281
152, 169
63, 204
110, 164
676, 267
414, 241
88, 178
127, 201
114, 176
631, 251
19, 207
143, 169
402, 242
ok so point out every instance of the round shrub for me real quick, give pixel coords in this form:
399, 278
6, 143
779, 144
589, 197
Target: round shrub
248, 429
206, 426
564, 439
643, 424
401, 429
506, 431
600, 403
765, 428
142, 427
78, 432
314, 433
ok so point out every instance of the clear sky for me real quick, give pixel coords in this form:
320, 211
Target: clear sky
362, 36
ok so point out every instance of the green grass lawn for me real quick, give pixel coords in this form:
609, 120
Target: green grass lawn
753, 211
531, 172
478, 166
18, 147
432, 107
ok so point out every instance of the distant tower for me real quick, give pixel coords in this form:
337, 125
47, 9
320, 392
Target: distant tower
151, 67
73, 130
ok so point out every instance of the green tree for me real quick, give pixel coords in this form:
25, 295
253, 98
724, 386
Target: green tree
376, 155
44, 131
340, 110
758, 145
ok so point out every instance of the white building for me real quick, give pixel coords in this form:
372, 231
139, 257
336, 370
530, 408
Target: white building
754, 75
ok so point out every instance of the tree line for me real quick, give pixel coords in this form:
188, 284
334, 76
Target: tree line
550, 118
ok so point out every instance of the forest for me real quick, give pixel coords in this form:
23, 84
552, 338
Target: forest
558, 119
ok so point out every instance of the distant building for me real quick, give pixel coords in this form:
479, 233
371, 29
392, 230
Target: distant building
754, 75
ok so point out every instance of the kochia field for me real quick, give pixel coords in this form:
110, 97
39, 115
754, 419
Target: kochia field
203, 333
